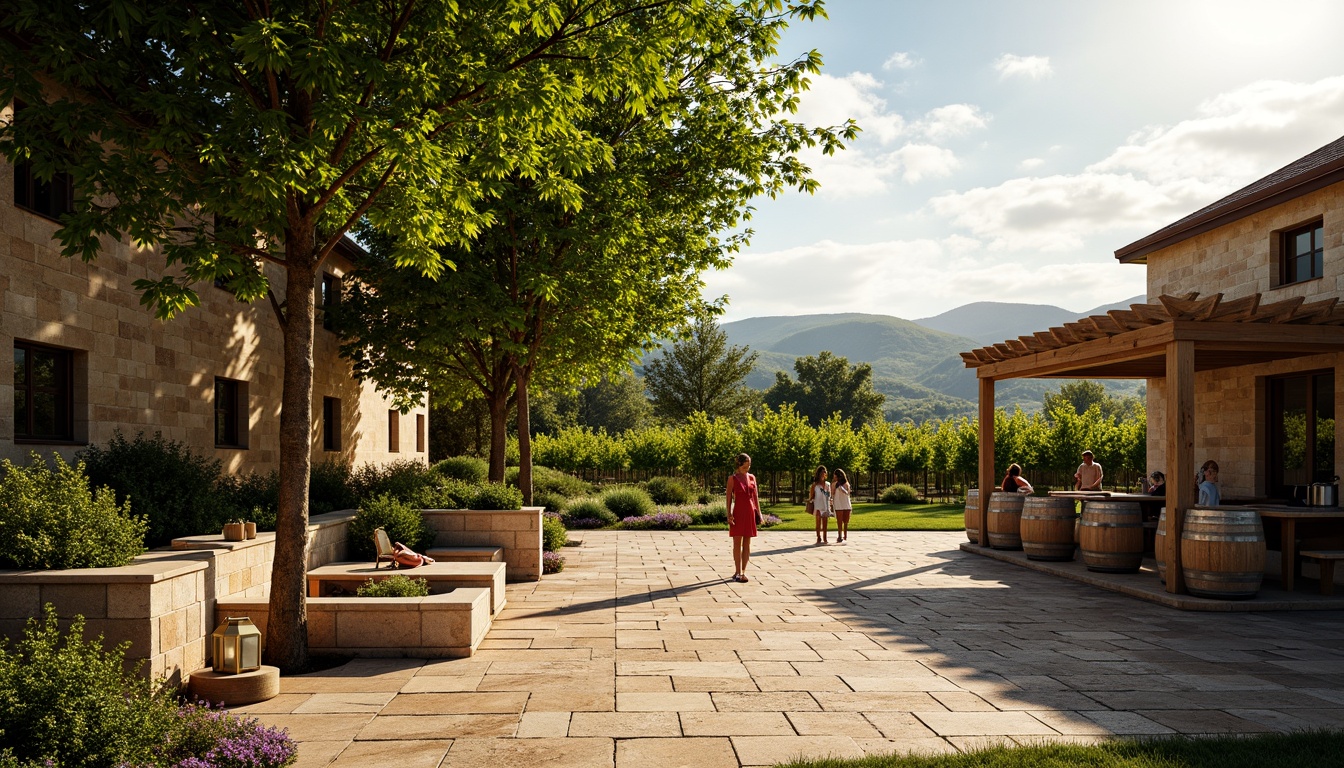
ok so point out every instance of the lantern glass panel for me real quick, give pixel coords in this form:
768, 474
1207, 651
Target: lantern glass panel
250, 652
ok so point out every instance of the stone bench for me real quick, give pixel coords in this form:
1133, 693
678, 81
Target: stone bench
442, 577
467, 554
1326, 558
448, 625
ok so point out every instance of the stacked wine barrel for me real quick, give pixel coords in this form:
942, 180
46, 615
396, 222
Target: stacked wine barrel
1047, 528
1111, 536
1005, 520
972, 515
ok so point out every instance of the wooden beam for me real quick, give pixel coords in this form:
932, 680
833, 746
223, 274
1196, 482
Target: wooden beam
1033, 344
1084, 332
969, 359
1315, 310
1278, 312
1151, 313
1130, 345
1005, 350
1251, 333
987, 474
1128, 320
1064, 336
1180, 434
1018, 346
1236, 310
1047, 339
1192, 308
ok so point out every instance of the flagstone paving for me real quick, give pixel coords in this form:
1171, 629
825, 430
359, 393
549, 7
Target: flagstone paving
641, 654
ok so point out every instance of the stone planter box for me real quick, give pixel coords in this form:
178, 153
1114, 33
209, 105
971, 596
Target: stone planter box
516, 531
448, 625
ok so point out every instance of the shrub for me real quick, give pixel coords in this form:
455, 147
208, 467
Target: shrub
67, 700
712, 514
553, 535
253, 496
172, 487
552, 562
496, 496
667, 490
551, 481
466, 468
443, 493
703, 498
50, 519
398, 479
204, 737
553, 502
663, 521
401, 522
628, 502
328, 487
395, 585
587, 513
899, 494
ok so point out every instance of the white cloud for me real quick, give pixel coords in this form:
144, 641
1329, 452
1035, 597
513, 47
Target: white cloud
878, 277
833, 100
901, 60
951, 120
1033, 67
1160, 174
1031, 163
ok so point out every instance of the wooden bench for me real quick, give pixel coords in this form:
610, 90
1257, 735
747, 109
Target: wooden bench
442, 577
1326, 558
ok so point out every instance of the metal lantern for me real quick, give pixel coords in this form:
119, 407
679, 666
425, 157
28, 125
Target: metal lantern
235, 646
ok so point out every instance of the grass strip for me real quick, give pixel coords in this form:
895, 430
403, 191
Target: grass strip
1305, 749
869, 517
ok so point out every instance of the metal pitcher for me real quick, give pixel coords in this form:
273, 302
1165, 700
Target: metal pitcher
1323, 494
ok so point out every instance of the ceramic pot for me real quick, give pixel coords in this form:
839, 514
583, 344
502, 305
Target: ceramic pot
250, 530
234, 532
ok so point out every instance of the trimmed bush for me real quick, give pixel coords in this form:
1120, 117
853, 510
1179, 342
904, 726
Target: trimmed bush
553, 502
552, 563
496, 496
667, 490
663, 521
628, 502
899, 494
50, 519
712, 514
400, 520
587, 513
545, 479
395, 585
328, 487
174, 489
253, 496
398, 479
553, 535
466, 468
443, 493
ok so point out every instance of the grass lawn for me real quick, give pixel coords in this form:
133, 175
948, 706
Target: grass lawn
869, 517
1317, 749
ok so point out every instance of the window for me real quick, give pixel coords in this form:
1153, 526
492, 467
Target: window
330, 297
44, 403
419, 433
51, 199
1301, 431
1301, 254
393, 432
331, 424
230, 413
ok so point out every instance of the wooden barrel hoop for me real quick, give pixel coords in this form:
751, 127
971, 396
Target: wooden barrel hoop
1047, 528
1223, 553
1111, 536
1005, 520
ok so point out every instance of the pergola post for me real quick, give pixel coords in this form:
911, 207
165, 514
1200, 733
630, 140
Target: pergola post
986, 446
1180, 434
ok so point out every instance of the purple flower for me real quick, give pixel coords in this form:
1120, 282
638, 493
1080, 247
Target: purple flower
552, 562
666, 521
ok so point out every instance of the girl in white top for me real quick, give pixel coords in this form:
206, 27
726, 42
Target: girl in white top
842, 504
820, 496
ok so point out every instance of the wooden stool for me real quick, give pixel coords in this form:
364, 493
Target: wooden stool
1326, 558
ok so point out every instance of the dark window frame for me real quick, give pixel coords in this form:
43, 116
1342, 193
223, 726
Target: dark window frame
1274, 437
63, 391
331, 424
329, 296
393, 431
230, 413
48, 199
1292, 262
419, 433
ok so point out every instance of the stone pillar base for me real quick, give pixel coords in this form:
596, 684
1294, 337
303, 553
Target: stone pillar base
235, 690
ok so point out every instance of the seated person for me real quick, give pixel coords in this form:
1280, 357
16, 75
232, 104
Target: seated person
1014, 482
1158, 486
1208, 484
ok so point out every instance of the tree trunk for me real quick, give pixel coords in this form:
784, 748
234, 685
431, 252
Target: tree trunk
287, 625
499, 433
524, 440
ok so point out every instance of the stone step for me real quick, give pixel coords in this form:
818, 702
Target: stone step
442, 577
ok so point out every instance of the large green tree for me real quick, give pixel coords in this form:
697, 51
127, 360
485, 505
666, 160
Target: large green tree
243, 140
827, 384
700, 372
562, 290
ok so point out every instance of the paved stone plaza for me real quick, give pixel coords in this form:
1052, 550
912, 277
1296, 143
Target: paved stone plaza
641, 654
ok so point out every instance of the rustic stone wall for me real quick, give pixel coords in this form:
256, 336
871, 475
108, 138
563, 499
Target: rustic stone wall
517, 532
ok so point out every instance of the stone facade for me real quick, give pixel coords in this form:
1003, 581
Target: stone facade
1237, 260
516, 531
135, 373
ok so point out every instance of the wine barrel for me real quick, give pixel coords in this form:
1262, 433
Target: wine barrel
1223, 552
1111, 536
973, 515
1047, 528
1005, 520
1160, 546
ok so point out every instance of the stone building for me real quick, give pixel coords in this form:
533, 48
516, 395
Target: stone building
89, 359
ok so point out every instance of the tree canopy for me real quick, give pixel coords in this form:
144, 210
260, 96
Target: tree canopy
701, 372
827, 384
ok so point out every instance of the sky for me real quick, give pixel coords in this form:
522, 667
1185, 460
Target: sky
1009, 148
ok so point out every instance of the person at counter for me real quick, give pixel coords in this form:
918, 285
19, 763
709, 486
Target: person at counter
1208, 484
1014, 482
1088, 476
1158, 486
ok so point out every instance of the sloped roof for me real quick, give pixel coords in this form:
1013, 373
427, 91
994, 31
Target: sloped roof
1319, 169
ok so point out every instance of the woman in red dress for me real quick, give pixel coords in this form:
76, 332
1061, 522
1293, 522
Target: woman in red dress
744, 512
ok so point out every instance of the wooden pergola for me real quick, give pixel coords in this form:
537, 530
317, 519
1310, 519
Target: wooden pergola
1172, 340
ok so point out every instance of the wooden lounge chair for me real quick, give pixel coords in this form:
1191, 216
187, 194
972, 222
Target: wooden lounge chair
382, 546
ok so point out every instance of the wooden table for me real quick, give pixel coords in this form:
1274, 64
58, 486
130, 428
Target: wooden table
1288, 517
1108, 496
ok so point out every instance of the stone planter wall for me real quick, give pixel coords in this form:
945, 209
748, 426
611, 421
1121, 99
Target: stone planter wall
164, 601
516, 531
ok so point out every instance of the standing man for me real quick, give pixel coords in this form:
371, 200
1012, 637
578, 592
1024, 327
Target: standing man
1088, 476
